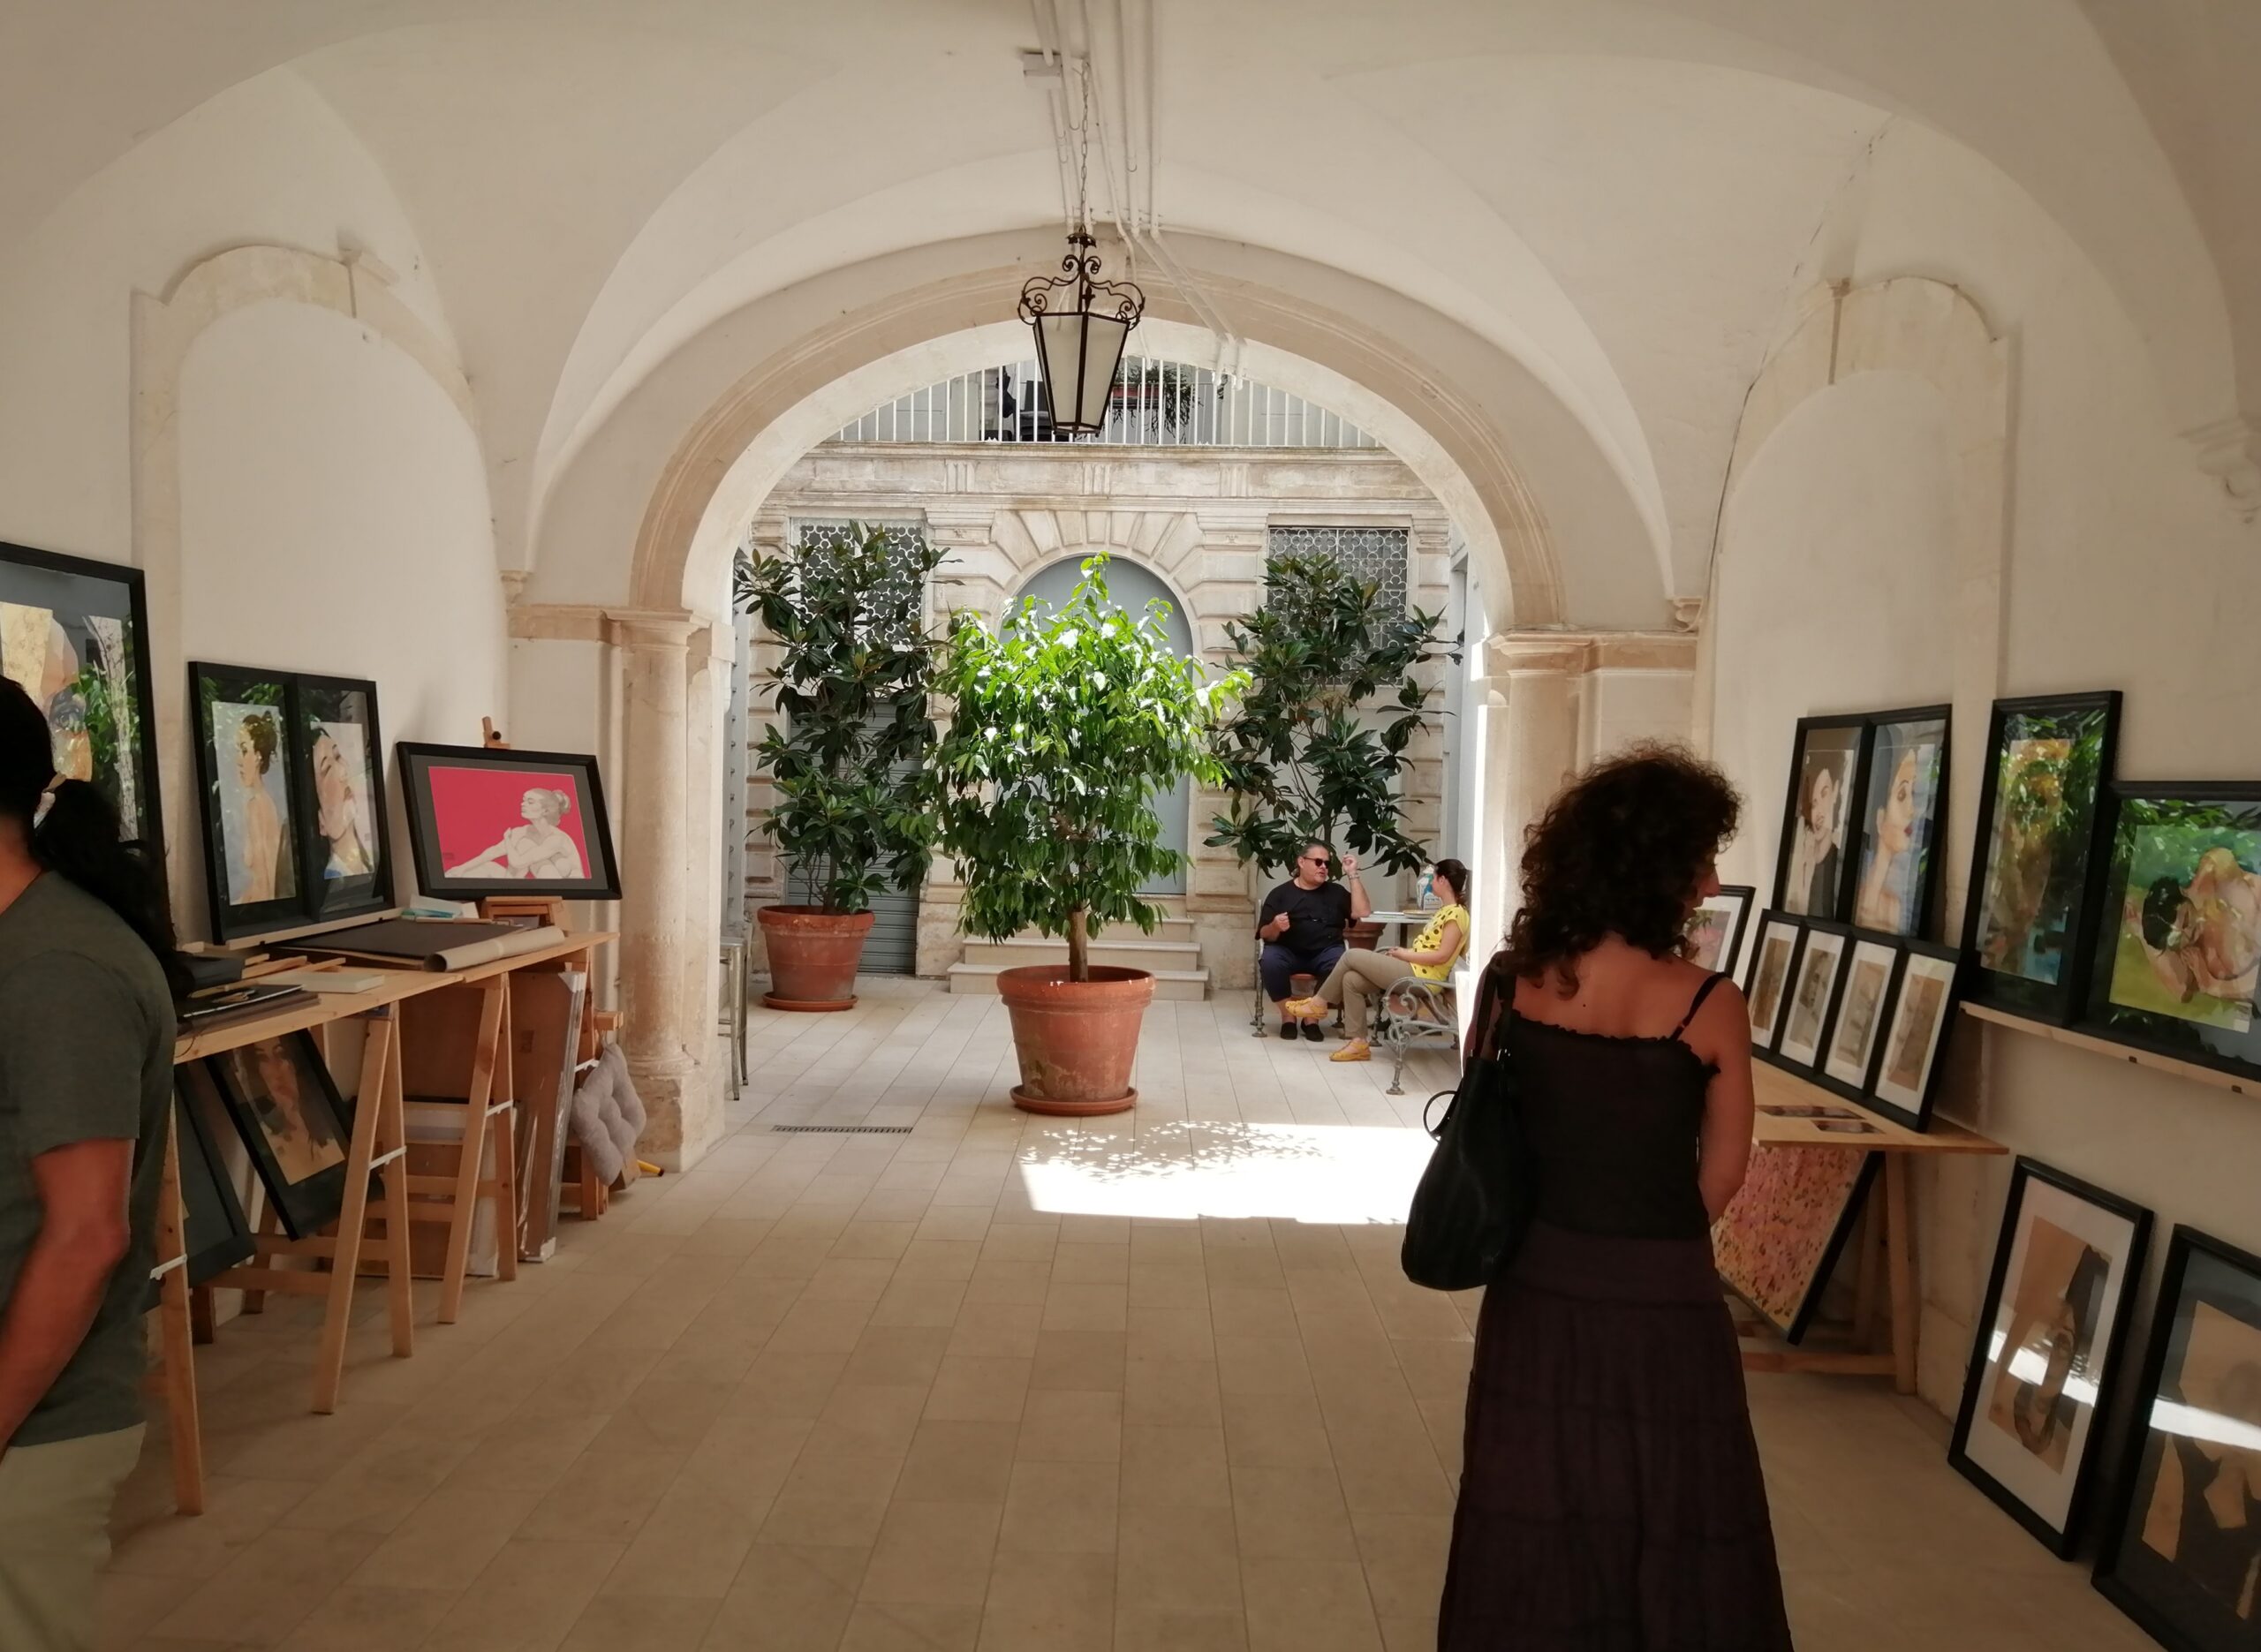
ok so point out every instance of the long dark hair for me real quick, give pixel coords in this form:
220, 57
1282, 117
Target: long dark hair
1619, 852
78, 838
1456, 874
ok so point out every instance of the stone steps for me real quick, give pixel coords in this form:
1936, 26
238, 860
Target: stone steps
1127, 952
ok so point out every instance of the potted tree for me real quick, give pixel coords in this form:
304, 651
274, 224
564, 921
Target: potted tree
1314, 750
1063, 727
848, 753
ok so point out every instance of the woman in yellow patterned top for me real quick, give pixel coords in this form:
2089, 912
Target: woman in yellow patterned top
1362, 974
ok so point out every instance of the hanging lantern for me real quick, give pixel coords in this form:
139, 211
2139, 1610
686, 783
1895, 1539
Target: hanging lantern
1081, 324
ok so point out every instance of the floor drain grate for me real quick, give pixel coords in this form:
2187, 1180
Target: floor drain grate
840, 1129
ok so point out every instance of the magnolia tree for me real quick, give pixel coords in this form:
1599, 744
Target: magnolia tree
1065, 728
848, 758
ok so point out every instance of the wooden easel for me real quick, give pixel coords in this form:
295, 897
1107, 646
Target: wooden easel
175, 1378
379, 1148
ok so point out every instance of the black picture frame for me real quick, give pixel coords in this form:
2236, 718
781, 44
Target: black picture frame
2064, 906
1734, 902
1835, 940
1919, 904
322, 805
419, 764
1911, 1105
217, 1231
1827, 1068
2010, 1464
2121, 969
2177, 1608
1767, 1006
304, 1179
1839, 900
85, 600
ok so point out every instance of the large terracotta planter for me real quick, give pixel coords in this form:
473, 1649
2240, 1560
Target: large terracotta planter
1362, 936
813, 957
1076, 1039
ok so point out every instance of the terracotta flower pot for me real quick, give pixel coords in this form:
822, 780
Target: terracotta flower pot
1362, 936
813, 957
1076, 1039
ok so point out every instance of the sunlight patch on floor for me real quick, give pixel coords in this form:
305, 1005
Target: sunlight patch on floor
1339, 1174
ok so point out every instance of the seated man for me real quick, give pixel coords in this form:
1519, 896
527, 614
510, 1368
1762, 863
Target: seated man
1302, 926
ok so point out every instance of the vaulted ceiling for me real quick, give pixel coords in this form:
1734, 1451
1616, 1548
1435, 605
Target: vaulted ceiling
1621, 195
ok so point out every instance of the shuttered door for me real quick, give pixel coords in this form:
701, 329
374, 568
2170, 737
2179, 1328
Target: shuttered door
892, 947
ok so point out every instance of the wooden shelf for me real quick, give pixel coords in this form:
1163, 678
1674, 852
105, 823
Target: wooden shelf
1781, 1087
2110, 1050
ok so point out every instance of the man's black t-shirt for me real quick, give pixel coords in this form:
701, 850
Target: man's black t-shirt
1316, 917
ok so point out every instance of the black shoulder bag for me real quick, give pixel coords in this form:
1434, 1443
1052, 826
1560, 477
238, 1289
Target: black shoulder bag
1474, 1202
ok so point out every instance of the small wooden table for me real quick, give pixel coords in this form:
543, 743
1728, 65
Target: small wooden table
1887, 1231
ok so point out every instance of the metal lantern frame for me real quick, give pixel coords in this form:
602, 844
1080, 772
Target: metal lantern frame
1082, 324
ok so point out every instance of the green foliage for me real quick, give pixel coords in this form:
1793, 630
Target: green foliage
1064, 727
848, 754
1327, 659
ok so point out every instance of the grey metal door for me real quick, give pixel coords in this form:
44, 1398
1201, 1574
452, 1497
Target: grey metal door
1129, 587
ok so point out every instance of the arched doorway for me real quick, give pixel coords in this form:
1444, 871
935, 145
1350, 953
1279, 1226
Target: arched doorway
1132, 587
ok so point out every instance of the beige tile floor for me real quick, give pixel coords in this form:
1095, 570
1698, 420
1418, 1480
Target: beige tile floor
1000, 1384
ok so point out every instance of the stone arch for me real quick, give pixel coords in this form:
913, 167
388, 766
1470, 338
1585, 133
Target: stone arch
166, 328
1934, 330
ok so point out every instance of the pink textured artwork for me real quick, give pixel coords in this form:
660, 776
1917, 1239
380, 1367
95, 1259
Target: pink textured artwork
1777, 1240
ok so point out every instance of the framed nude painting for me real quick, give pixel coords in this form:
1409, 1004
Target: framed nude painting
2045, 1362
496, 821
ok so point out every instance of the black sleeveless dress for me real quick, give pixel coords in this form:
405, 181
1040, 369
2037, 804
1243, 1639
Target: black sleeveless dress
1610, 1497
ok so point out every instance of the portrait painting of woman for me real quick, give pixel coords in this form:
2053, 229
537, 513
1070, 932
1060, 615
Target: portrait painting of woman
249, 792
1897, 860
495, 821
1823, 775
538, 848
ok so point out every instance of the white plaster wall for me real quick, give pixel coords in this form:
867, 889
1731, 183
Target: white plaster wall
1831, 590
334, 518
2124, 567
266, 162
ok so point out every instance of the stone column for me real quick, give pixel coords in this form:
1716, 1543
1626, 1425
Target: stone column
667, 1029
1533, 748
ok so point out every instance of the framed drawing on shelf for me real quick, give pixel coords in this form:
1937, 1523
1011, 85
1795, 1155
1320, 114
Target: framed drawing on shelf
1715, 931
1903, 800
1777, 1241
290, 774
1813, 876
2045, 1362
75, 635
2177, 964
287, 1109
1915, 1024
1767, 989
1852, 1043
1812, 991
2038, 850
494, 820
2182, 1547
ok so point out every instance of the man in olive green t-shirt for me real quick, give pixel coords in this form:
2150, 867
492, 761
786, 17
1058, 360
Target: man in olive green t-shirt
85, 1076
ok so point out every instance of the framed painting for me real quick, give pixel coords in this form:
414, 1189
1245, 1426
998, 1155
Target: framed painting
1812, 994
1715, 929
1916, 1023
1850, 1051
1777, 1241
290, 771
2177, 965
2182, 1552
286, 1107
2040, 848
491, 820
2045, 1362
1813, 876
1767, 989
1903, 803
75, 635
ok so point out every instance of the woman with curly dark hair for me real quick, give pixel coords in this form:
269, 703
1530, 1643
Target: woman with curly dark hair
1610, 1497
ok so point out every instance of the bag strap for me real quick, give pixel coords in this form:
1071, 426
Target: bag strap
1697, 1003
